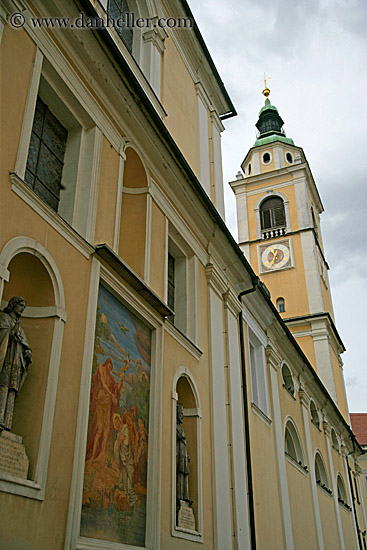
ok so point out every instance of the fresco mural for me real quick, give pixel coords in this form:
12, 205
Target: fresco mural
115, 476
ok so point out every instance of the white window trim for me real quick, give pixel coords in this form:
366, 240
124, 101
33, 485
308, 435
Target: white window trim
191, 268
36, 489
73, 539
197, 535
262, 158
83, 224
255, 333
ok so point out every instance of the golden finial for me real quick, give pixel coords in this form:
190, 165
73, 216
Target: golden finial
266, 90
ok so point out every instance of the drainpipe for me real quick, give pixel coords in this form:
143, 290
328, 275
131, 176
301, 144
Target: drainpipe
352, 492
255, 283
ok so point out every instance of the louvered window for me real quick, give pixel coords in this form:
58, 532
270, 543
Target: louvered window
118, 9
272, 213
46, 155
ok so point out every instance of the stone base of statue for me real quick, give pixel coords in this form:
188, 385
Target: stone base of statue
185, 515
13, 458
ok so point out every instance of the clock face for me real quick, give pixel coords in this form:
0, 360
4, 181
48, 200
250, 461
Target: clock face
275, 256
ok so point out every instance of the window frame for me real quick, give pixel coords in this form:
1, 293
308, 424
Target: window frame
186, 307
297, 460
78, 210
270, 194
258, 370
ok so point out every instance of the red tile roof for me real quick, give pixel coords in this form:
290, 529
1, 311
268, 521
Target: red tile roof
359, 427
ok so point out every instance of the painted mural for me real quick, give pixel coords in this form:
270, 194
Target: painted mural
115, 477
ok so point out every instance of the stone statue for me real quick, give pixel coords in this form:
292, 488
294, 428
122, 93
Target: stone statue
182, 459
15, 358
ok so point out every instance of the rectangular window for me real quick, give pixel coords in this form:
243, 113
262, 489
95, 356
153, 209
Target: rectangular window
45, 161
259, 388
60, 151
171, 286
117, 9
182, 285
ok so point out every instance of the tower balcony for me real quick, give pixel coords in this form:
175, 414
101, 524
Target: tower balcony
273, 233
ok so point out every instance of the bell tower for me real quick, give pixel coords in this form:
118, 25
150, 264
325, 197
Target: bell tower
278, 217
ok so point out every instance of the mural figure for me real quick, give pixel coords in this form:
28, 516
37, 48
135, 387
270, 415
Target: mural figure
15, 358
124, 457
105, 397
182, 458
141, 454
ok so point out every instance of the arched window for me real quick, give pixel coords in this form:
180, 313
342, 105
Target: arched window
342, 494
272, 214
281, 305
292, 444
320, 473
314, 415
288, 383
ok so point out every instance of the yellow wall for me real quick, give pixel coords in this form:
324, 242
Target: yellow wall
300, 500
17, 53
180, 102
296, 301
107, 195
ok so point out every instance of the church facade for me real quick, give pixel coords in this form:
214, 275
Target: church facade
169, 403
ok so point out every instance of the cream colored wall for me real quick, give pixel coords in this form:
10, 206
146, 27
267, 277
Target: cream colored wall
339, 384
107, 195
300, 500
180, 102
328, 519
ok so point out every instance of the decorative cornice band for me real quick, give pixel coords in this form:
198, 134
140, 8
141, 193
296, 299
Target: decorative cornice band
304, 398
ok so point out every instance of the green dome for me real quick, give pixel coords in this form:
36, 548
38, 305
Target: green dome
270, 125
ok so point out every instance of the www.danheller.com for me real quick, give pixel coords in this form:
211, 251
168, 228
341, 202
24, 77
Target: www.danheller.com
126, 20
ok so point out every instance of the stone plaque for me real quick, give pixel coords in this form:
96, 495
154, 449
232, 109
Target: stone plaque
186, 519
13, 458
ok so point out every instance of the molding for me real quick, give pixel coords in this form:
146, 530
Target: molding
28, 116
148, 233
295, 464
40, 312
304, 398
50, 216
183, 340
264, 417
215, 279
201, 93
94, 185
73, 540
231, 302
135, 190
272, 357
120, 187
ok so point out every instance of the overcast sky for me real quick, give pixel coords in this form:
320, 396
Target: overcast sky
316, 53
